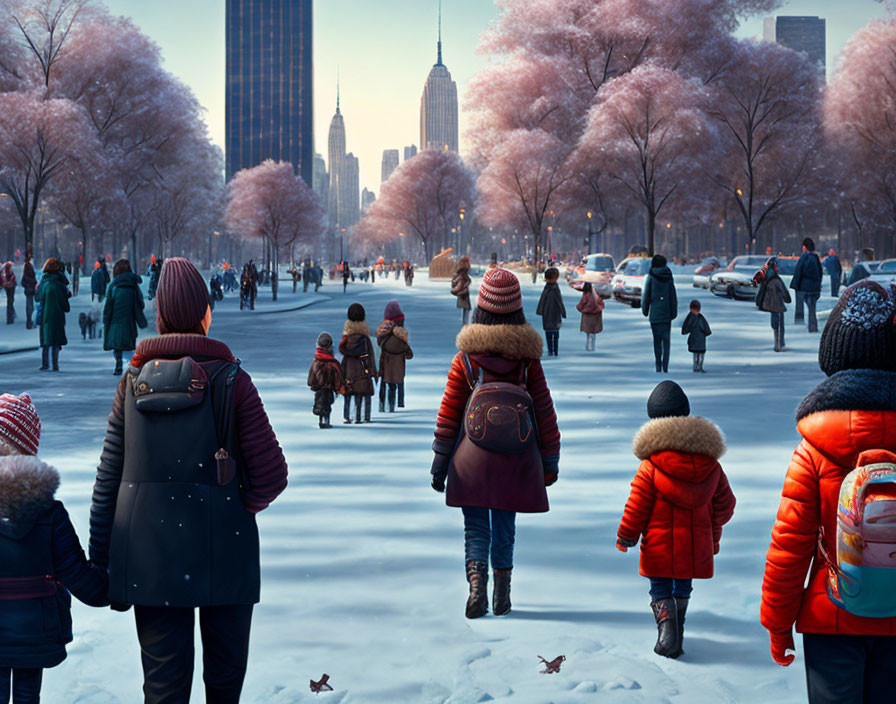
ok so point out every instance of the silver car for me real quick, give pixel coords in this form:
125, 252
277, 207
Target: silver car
736, 280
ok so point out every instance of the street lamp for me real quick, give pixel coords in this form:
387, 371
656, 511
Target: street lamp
590, 232
459, 228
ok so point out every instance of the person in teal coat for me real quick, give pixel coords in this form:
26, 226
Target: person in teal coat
659, 303
123, 312
52, 296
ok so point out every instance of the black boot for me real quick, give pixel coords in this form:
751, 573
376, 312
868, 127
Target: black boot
501, 595
681, 606
367, 404
477, 576
666, 616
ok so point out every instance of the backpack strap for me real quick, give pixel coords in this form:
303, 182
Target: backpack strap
833, 567
222, 404
472, 380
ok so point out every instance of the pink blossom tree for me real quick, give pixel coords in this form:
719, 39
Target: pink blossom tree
271, 203
423, 198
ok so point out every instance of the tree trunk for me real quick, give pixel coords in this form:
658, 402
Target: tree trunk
275, 266
651, 232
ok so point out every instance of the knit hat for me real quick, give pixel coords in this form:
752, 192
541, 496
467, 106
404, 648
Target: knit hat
19, 424
182, 298
658, 261
393, 312
325, 341
861, 330
500, 292
668, 399
356, 313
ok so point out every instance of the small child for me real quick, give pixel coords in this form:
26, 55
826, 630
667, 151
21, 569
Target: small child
41, 559
325, 379
697, 330
551, 310
679, 501
591, 307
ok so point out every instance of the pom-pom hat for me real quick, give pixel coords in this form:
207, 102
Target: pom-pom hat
500, 292
861, 330
19, 424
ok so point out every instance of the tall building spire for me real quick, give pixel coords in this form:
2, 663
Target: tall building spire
337, 89
439, 61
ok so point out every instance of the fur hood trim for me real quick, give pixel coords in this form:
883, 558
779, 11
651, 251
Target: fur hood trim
514, 341
690, 434
353, 327
389, 326
852, 390
27, 487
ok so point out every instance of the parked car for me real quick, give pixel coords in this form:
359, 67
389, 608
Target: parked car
628, 282
704, 270
883, 272
735, 281
596, 269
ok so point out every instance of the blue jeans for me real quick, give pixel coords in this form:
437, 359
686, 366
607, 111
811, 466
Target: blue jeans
666, 587
482, 538
661, 341
553, 340
811, 300
847, 669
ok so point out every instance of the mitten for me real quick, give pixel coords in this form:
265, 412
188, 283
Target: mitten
781, 643
623, 544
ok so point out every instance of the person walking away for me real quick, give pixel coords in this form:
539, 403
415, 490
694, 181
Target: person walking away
834, 268
155, 271
324, 379
99, 280
460, 288
29, 284
806, 282
829, 569
346, 274
861, 270
659, 303
679, 501
697, 329
497, 470
188, 460
393, 339
8, 284
551, 310
409, 274
52, 296
123, 313
41, 560
358, 363
591, 306
772, 298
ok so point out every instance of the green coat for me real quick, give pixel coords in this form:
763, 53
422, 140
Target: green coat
123, 312
52, 295
659, 301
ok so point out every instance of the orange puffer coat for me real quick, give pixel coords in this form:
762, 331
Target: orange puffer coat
680, 498
849, 413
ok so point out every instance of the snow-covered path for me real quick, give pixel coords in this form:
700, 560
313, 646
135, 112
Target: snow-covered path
362, 574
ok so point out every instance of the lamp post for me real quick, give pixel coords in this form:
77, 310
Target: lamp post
459, 229
211, 239
590, 233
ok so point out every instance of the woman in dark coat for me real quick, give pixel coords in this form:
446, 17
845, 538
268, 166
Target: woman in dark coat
99, 280
29, 283
491, 488
460, 287
659, 303
358, 363
181, 477
52, 296
393, 339
123, 312
772, 297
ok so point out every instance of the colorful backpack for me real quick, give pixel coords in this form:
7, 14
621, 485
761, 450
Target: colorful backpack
862, 581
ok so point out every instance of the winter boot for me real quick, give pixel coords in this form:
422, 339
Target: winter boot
367, 405
326, 421
477, 576
358, 402
501, 596
681, 607
666, 616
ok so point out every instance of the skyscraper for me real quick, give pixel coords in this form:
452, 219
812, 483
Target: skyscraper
390, 163
269, 92
336, 153
352, 196
320, 180
368, 198
438, 106
806, 34
410, 152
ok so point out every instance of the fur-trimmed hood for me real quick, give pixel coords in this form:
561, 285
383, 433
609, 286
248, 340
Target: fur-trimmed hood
27, 487
359, 327
691, 435
389, 326
513, 341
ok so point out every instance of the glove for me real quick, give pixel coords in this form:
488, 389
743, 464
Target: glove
439, 471
549, 479
623, 544
551, 468
715, 549
438, 483
781, 643
119, 606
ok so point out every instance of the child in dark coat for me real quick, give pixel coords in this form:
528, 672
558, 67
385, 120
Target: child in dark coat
551, 310
697, 330
41, 559
325, 379
679, 501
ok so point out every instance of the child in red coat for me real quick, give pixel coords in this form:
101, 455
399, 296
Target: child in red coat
679, 501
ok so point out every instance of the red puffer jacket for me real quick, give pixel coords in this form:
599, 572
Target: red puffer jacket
833, 439
680, 498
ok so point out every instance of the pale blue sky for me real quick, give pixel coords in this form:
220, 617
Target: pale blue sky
384, 49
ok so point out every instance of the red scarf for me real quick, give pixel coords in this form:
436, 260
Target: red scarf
324, 355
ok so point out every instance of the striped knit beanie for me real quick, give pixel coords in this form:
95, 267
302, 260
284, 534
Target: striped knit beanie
181, 298
500, 292
861, 330
19, 425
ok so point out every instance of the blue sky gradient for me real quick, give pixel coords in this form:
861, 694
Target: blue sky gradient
384, 50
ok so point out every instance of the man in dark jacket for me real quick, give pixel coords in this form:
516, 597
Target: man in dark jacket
551, 310
99, 280
860, 270
659, 303
807, 282
29, 283
174, 521
832, 265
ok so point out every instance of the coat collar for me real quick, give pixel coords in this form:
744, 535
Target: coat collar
178, 345
27, 487
852, 390
359, 327
514, 341
684, 434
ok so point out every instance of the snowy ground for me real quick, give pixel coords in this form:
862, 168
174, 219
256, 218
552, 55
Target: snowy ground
363, 563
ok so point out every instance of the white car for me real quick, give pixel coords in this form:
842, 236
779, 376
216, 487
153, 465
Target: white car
629, 280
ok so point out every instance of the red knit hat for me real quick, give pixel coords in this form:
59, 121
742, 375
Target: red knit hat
500, 292
19, 423
393, 312
182, 298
